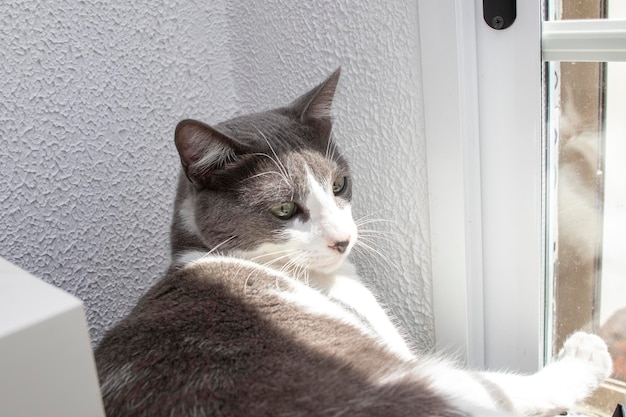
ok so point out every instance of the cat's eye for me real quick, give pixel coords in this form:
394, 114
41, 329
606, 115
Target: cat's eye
339, 185
285, 210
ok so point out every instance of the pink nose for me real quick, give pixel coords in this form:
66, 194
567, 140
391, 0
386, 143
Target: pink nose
340, 246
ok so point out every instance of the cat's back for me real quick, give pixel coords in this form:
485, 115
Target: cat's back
223, 337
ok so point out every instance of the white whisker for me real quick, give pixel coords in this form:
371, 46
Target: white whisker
272, 254
298, 267
368, 219
331, 146
265, 173
216, 247
245, 281
276, 160
281, 169
286, 253
369, 249
371, 234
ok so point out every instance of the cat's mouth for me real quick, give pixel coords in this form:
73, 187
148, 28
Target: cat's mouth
329, 259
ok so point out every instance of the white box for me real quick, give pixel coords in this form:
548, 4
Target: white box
46, 362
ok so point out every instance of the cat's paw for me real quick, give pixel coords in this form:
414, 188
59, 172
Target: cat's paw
580, 367
590, 352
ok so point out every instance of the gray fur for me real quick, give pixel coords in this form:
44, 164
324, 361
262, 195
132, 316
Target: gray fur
217, 339
196, 343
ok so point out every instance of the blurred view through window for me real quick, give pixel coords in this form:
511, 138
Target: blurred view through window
586, 136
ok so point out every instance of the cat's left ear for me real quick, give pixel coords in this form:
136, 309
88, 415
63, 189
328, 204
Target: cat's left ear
316, 106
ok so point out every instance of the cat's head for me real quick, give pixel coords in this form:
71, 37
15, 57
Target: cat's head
269, 187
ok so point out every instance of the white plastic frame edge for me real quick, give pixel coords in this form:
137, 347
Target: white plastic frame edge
453, 159
482, 101
587, 40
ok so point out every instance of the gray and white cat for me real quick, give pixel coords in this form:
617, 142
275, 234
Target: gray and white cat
262, 314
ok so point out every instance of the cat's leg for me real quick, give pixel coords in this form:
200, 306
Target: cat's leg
352, 293
582, 364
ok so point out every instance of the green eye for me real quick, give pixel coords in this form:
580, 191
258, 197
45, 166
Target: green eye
339, 185
285, 210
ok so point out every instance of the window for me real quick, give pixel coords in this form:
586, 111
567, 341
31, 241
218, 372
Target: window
586, 131
499, 287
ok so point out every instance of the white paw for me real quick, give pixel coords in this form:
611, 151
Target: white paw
591, 353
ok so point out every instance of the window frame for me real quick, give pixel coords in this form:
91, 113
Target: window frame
588, 40
482, 119
490, 273
453, 164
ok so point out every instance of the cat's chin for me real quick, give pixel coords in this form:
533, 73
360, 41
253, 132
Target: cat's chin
326, 270
328, 265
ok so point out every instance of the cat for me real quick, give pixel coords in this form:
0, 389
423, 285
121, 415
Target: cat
262, 313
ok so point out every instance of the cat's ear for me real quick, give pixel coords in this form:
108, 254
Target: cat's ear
316, 105
203, 148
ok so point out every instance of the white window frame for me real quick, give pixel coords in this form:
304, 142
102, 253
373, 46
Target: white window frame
591, 40
483, 125
482, 100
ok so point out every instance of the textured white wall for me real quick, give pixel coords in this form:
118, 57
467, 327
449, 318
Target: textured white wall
91, 96
90, 93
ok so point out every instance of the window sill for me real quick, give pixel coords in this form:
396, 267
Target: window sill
604, 400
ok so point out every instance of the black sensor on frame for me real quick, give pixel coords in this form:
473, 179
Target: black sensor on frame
499, 14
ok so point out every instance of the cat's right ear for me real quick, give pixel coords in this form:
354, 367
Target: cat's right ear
203, 149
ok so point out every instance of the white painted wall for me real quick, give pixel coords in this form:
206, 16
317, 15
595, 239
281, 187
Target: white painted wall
91, 92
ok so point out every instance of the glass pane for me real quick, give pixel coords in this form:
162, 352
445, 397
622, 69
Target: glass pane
612, 292
586, 9
575, 202
587, 203
579, 9
586, 200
